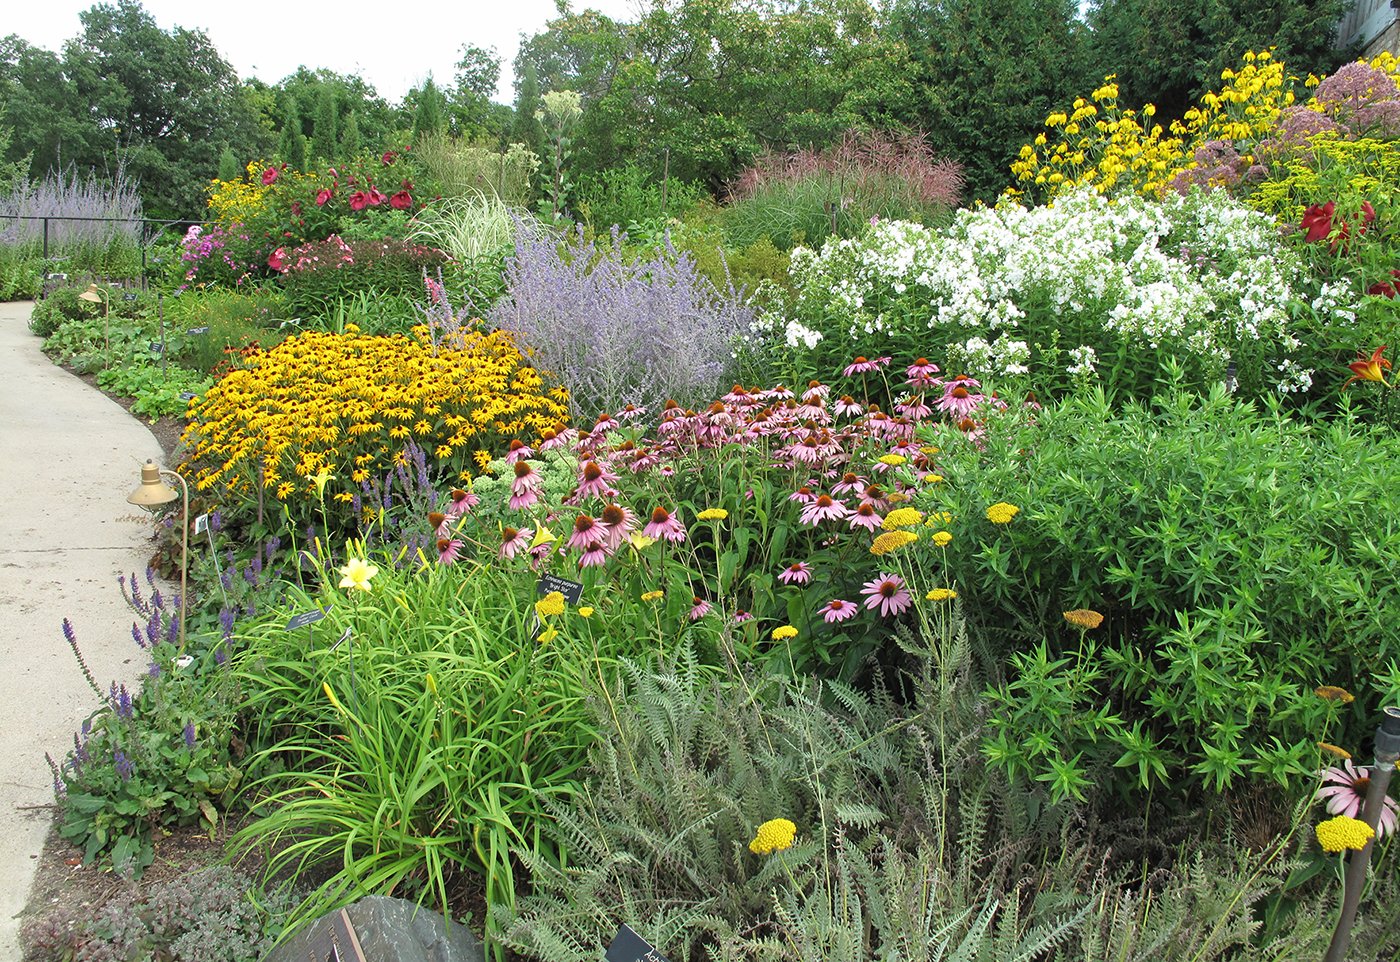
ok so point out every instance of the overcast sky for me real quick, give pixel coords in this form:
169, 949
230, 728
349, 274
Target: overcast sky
393, 48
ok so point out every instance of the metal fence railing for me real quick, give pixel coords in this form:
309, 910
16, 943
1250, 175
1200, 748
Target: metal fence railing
150, 228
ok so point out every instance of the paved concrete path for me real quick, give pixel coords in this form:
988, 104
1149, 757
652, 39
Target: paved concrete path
70, 458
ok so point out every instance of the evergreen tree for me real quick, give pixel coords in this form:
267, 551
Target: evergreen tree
292, 146
350, 137
430, 117
229, 167
323, 126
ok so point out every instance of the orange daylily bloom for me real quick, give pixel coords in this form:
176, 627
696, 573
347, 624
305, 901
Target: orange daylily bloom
1369, 369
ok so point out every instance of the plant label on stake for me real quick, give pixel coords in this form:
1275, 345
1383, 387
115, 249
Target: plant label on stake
198, 330
201, 524
628, 946
188, 395
571, 590
307, 618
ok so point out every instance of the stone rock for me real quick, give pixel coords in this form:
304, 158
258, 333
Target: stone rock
388, 930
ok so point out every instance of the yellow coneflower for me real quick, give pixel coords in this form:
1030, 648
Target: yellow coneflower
1084, 618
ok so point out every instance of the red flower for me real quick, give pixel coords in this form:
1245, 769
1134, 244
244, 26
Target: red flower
358, 200
1369, 369
296, 208
1317, 221
387, 158
269, 175
401, 201
322, 196
277, 260
1368, 213
1390, 288
375, 197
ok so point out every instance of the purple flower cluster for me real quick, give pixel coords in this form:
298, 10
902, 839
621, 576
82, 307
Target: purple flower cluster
617, 329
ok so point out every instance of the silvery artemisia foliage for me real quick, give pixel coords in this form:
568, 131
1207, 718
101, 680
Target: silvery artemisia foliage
1198, 276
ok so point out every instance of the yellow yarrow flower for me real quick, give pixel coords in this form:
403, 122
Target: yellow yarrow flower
941, 594
774, 835
892, 541
1344, 832
550, 604
893, 460
1341, 753
713, 514
1333, 693
586, 611
653, 595
902, 518
1002, 513
784, 632
548, 635
941, 538
1084, 618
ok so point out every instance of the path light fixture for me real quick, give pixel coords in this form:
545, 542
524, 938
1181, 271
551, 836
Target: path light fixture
1387, 754
153, 492
101, 295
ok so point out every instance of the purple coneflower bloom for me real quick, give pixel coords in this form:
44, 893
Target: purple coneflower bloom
517, 451
449, 550
663, 524
914, 408
847, 406
958, 400
803, 495
837, 610
594, 481
618, 522
850, 481
865, 516
742, 616
631, 412
462, 502
524, 490
513, 541
604, 424
594, 555
798, 573
1344, 789
863, 365
699, 608
823, 508
586, 531
887, 593
921, 372
779, 393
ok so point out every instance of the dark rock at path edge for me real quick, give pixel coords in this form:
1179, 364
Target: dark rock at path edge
389, 930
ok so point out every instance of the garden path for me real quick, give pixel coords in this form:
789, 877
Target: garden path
66, 532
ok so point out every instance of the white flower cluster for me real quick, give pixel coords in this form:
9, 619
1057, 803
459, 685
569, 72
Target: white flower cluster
1003, 356
1199, 276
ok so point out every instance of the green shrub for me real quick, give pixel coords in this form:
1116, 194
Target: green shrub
318, 274
21, 274
1240, 558
629, 196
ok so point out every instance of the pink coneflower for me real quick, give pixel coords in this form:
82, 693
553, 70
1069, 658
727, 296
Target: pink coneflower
864, 516
559, 437
779, 393
850, 481
742, 616
799, 573
921, 372
913, 408
803, 495
524, 490
958, 400
874, 495
847, 406
824, 508
462, 502
863, 365
514, 541
604, 424
593, 481
631, 412
663, 524
586, 531
1344, 789
837, 610
593, 555
449, 549
809, 450
887, 593
813, 410
618, 523
516, 451
699, 608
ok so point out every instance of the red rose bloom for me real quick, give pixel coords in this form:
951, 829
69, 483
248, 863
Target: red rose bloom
401, 201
